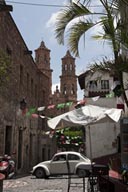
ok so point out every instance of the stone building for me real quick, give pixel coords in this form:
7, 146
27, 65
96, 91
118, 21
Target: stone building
64, 99
26, 82
67, 92
24, 87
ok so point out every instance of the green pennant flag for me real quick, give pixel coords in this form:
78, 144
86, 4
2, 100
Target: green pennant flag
31, 111
68, 104
28, 113
110, 95
60, 105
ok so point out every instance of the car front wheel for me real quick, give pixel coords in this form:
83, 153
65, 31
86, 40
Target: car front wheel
82, 173
40, 173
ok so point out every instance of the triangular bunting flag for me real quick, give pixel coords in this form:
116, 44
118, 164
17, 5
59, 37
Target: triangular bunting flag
95, 98
31, 111
81, 102
40, 108
34, 115
24, 111
44, 117
51, 107
60, 106
68, 104
120, 102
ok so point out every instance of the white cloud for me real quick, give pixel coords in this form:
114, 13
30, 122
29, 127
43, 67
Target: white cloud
52, 20
50, 29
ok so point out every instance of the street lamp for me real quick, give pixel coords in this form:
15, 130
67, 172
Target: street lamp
23, 104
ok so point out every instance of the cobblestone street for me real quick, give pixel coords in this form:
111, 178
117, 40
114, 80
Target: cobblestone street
31, 184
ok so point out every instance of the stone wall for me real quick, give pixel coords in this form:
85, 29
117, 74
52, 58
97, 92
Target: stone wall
18, 132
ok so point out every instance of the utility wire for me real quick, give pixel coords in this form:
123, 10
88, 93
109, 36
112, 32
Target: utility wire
43, 5
35, 4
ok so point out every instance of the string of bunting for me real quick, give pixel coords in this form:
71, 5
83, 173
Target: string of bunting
33, 111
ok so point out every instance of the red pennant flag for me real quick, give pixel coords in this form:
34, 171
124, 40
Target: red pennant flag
51, 107
120, 103
35, 115
24, 111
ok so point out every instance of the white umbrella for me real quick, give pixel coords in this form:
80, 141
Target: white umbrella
87, 115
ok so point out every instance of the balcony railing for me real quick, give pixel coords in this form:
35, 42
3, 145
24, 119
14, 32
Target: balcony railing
98, 93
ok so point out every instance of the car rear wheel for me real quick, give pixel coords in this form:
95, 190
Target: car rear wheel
40, 173
82, 173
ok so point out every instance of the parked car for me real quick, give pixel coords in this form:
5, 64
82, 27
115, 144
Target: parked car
63, 163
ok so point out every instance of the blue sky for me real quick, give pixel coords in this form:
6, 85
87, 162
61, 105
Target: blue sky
36, 23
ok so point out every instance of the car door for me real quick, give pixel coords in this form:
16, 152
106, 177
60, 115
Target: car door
73, 160
58, 165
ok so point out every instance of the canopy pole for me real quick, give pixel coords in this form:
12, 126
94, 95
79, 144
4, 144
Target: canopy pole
90, 143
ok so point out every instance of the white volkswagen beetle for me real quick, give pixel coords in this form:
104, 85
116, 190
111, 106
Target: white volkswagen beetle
63, 163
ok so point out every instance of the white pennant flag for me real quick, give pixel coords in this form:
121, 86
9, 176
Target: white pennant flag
95, 98
40, 108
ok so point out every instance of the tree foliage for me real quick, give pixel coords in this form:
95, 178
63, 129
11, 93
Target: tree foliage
76, 19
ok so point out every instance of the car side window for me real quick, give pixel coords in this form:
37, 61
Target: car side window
60, 158
73, 157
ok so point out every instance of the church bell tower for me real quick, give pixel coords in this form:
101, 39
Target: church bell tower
42, 59
68, 79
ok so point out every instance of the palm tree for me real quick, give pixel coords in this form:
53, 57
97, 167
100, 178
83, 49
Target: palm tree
113, 31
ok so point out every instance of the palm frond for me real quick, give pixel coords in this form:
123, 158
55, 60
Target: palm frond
65, 16
110, 65
125, 2
75, 33
104, 65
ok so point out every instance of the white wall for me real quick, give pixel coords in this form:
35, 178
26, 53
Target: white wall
102, 137
103, 102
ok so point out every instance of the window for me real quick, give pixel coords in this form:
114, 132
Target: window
66, 67
45, 59
93, 85
60, 158
72, 89
9, 51
104, 84
73, 157
70, 67
64, 90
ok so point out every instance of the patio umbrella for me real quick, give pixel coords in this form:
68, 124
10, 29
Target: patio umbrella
86, 116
